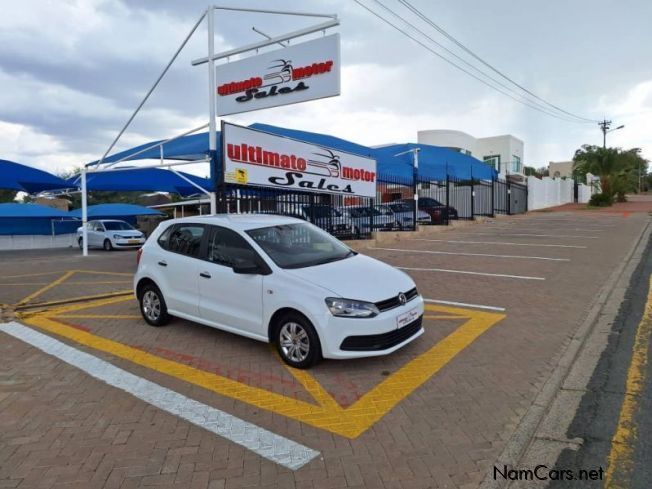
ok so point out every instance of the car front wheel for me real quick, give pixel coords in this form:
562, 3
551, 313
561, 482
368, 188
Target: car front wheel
297, 341
107, 245
152, 306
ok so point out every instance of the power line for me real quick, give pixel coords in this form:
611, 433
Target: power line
535, 107
442, 31
542, 107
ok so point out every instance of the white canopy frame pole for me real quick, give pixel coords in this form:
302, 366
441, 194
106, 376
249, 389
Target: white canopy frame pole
84, 213
212, 132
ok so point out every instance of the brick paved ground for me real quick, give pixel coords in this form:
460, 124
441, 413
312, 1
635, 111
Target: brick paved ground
62, 428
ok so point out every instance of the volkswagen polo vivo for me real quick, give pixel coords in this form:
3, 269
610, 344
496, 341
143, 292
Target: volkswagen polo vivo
277, 279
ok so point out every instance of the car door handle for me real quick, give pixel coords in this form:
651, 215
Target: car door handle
163, 264
205, 275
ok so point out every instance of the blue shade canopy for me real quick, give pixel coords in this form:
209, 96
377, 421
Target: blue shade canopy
434, 162
147, 179
14, 176
107, 211
23, 211
187, 148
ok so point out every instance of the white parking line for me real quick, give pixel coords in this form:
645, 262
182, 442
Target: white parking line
464, 272
520, 257
271, 446
465, 304
500, 243
536, 235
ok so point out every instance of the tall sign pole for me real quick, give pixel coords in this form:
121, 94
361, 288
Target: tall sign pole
84, 212
212, 132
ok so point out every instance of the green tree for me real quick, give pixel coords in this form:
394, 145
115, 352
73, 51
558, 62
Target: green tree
618, 169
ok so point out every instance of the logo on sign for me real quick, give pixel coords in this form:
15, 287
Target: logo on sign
326, 164
280, 79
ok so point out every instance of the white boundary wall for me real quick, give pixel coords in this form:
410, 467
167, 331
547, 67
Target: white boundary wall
33, 242
551, 192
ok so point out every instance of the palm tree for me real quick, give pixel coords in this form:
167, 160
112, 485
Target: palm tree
605, 163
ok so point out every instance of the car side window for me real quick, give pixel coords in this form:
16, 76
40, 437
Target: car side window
228, 248
185, 239
99, 227
164, 239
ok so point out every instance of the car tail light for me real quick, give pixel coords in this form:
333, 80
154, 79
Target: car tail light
139, 253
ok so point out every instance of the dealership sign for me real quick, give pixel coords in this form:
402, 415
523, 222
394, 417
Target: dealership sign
307, 71
259, 158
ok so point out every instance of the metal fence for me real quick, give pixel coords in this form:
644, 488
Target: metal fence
393, 208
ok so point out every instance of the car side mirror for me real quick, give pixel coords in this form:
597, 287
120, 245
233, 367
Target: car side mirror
248, 269
251, 266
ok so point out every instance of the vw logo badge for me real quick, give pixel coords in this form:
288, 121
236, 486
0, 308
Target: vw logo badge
402, 299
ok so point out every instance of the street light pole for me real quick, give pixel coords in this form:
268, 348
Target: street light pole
604, 127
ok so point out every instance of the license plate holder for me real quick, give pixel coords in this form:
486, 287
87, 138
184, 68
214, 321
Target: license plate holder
406, 318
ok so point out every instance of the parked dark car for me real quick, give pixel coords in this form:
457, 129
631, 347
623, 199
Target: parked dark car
437, 211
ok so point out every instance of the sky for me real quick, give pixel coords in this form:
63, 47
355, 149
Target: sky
73, 71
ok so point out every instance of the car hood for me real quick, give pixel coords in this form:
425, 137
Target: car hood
359, 277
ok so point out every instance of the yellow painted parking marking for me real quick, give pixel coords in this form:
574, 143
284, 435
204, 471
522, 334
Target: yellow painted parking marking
47, 309
25, 283
621, 460
100, 282
441, 317
33, 274
52, 284
325, 413
94, 272
99, 316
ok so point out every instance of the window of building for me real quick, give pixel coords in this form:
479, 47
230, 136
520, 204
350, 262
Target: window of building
493, 161
516, 164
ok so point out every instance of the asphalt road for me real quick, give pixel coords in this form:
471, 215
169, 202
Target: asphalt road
602, 417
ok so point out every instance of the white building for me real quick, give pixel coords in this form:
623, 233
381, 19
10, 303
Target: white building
504, 153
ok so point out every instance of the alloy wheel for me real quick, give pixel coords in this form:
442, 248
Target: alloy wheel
294, 342
151, 305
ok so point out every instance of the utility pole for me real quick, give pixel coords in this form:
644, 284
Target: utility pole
604, 127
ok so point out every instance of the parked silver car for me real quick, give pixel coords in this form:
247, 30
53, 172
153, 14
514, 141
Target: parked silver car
403, 214
367, 219
110, 234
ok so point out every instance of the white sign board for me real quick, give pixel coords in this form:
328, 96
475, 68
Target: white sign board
259, 158
306, 71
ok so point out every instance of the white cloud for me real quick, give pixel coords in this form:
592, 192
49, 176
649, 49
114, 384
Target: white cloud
634, 110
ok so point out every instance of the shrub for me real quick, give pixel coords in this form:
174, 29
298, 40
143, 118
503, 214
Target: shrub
601, 200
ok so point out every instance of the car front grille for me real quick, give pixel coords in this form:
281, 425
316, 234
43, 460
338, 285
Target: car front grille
383, 341
393, 302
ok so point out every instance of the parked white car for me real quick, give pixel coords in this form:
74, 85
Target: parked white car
277, 279
110, 234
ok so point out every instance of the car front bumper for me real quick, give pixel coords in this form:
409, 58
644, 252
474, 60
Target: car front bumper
128, 243
369, 337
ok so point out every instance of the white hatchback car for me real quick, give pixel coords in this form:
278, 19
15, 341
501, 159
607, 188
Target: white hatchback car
110, 234
277, 279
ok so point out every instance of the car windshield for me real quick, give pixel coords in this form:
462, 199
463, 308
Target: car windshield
429, 202
364, 211
400, 207
384, 210
320, 211
117, 226
299, 245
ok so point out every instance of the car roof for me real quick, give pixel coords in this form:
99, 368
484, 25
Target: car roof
241, 222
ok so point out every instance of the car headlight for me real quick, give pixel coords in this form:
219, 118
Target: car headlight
350, 308
116, 236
